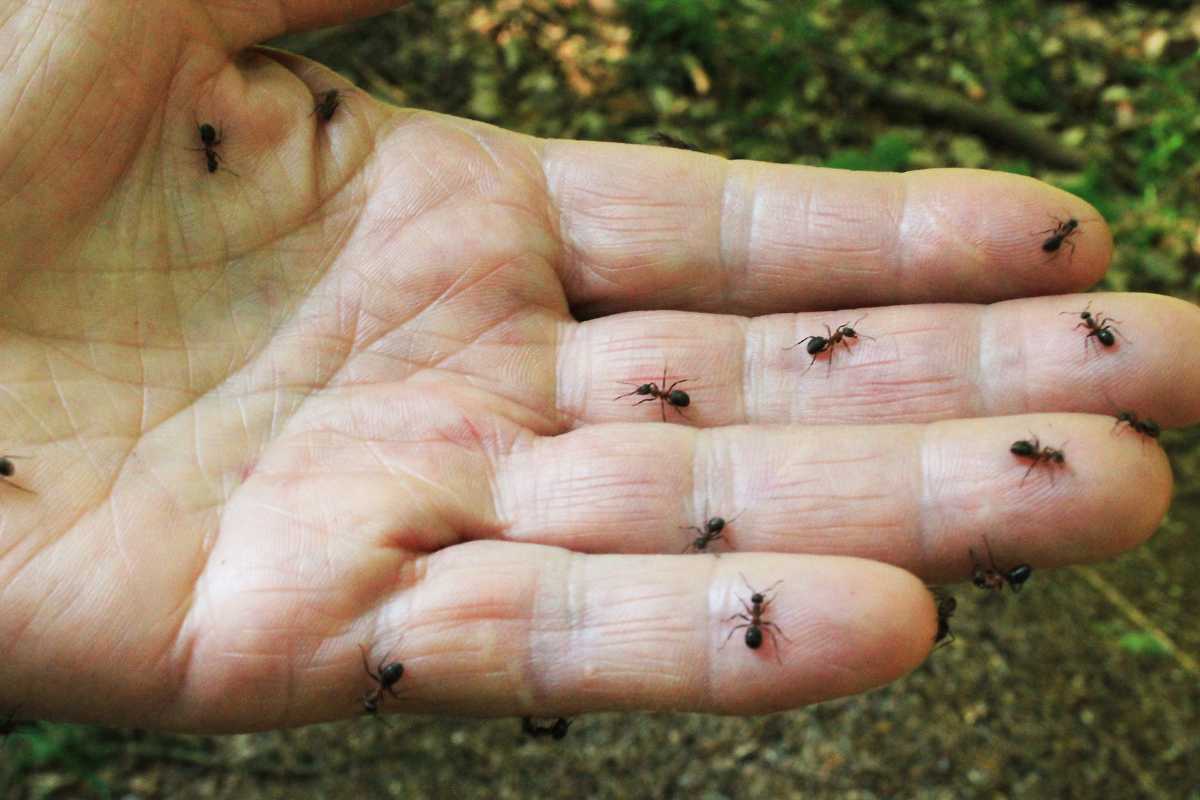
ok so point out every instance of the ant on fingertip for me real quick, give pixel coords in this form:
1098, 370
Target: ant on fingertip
1033, 449
754, 624
1060, 234
825, 344
1098, 326
946, 605
992, 577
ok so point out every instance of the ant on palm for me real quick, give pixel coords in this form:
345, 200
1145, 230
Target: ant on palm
389, 674
210, 137
1034, 449
992, 577
754, 624
676, 398
556, 730
1060, 234
821, 344
8, 469
328, 104
714, 529
1098, 326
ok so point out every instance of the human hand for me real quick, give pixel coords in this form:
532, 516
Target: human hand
335, 393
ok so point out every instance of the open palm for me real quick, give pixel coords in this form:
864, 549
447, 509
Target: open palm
335, 393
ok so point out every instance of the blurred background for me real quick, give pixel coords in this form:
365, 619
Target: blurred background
1084, 685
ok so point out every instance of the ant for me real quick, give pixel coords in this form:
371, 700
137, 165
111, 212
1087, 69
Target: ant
210, 137
754, 623
714, 529
677, 398
1146, 427
994, 578
556, 729
8, 469
667, 140
389, 675
1098, 325
328, 104
1060, 234
820, 344
946, 605
1035, 450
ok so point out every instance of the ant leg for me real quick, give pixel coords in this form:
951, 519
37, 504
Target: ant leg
367, 666
671, 388
18, 486
1031, 466
731, 633
647, 400
778, 630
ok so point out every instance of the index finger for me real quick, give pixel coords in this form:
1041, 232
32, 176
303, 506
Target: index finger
650, 227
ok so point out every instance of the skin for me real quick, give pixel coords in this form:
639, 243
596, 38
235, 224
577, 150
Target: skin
356, 387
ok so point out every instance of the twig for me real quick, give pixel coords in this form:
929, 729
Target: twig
1134, 614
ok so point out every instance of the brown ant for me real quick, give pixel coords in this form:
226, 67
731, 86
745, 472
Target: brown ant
1035, 450
8, 469
754, 623
1146, 427
676, 398
1098, 326
667, 140
328, 104
820, 344
1060, 234
389, 675
946, 605
714, 529
556, 729
992, 577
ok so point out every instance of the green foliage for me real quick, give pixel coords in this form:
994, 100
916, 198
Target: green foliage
1142, 643
78, 752
890, 153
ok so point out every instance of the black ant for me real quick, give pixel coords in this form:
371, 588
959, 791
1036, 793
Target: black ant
1146, 427
946, 605
820, 344
389, 675
1060, 234
714, 529
667, 140
992, 577
210, 137
1098, 326
8, 469
1035, 450
677, 398
556, 729
754, 623
328, 104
